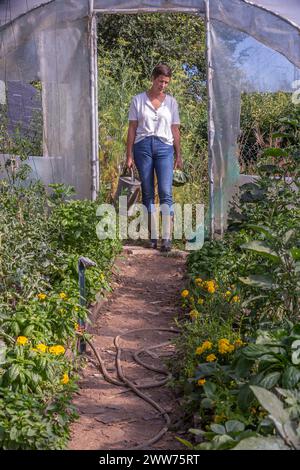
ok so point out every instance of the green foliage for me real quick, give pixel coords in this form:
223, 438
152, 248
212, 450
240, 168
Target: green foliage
258, 262
260, 115
129, 47
285, 419
41, 239
35, 421
154, 38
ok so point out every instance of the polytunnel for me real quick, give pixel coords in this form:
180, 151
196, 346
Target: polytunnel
251, 46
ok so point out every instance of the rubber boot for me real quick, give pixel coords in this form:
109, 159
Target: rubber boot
166, 243
152, 230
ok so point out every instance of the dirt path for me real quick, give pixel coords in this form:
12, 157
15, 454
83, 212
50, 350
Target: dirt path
146, 295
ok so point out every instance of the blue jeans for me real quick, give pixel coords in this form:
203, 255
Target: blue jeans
152, 154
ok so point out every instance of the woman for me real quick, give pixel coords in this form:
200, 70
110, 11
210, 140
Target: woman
153, 135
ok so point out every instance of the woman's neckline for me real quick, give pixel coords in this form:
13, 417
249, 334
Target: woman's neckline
161, 103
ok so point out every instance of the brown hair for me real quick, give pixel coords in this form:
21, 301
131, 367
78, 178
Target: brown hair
161, 69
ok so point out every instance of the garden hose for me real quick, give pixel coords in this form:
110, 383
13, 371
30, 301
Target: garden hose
124, 382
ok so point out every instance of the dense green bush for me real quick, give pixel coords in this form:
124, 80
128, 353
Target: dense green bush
243, 302
42, 237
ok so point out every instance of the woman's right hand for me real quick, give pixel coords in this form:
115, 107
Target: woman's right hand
129, 162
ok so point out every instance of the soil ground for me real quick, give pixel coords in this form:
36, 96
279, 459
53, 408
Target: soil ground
146, 294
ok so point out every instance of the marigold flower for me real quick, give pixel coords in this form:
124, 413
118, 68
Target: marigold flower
194, 314
184, 293
211, 358
41, 296
207, 345
228, 293
235, 298
201, 382
200, 301
238, 343
219, 418
65, 379
223, 348
198, 281
57, 350
224, 341
210, 286
41, 347
199, 350
62, 295
211, 289
22, 340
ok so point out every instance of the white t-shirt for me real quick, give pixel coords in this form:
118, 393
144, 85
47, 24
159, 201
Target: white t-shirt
151, 121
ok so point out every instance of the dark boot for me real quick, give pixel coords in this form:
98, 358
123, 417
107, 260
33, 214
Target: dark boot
152, 230
166, 243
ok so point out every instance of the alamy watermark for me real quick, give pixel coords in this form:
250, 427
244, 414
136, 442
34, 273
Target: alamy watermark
179, 222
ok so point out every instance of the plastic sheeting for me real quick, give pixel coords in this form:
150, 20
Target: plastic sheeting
239, 64
253, 44
50, 44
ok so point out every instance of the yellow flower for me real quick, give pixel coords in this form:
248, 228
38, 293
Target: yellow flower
235, 298
22, 340
62, 295
201, 382
41, 347
57, 350
224, 346
207, 345
219, 418
65, 379
224, 341
102, 277
223, 349
211, 358
200, 301
210, 286
198, 281
228, 293
204, 347
184, 293
41, 296
76, 309
194, 314
238, 343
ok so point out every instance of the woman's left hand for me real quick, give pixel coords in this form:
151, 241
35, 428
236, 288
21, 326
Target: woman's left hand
178, 163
